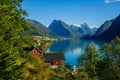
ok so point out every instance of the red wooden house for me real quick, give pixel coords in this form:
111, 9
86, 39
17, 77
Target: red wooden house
37, 52
53, 59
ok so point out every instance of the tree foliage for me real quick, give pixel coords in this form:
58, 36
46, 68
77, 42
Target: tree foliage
111, 58
104, 65
11, 26
89, 60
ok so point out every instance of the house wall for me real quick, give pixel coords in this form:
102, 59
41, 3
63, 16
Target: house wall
53, 63
36, 53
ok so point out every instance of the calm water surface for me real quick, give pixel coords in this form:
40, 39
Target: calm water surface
72, 49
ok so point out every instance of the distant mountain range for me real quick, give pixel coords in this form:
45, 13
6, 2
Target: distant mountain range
109, 30
70, 31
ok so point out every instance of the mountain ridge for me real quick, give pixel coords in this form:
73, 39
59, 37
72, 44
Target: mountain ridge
111, 29
65, 30
39, 29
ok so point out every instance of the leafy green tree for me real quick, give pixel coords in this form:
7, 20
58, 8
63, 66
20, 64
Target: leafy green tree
88, 61
108, 66
35, 70
11, 25
111, 58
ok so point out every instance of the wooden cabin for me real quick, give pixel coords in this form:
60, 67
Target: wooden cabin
54, 59
37, 52
50, 59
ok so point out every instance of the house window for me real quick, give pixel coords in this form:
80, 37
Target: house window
35, 51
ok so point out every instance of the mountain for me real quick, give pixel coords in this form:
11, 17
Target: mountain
77, 30
103, 27
93, 31
62, 29
86, 29
109, 30
39, 29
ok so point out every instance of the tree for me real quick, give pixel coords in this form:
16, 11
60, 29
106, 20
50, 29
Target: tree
111, 57
88, 61
11, 24
108, 67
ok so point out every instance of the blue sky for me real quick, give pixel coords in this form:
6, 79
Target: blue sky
92, 12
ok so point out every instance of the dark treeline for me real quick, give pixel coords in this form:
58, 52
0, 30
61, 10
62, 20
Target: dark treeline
102, 64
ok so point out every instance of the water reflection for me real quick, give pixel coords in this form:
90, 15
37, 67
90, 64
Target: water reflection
72, 48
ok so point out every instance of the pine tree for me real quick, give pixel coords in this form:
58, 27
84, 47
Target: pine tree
11, 24
88, 61
111, 57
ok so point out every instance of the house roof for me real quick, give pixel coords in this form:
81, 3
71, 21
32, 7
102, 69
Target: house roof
39, 48
53, 56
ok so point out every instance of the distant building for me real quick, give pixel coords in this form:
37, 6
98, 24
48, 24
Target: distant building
50, 59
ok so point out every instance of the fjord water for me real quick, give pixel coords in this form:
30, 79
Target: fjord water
72, 48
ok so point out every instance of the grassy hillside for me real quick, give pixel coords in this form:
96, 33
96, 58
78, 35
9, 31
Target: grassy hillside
39, 29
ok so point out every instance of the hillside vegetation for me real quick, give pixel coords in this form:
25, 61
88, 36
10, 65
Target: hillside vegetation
39, 29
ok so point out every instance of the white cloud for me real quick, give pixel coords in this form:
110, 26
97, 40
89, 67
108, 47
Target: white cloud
107, 1
111, 1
